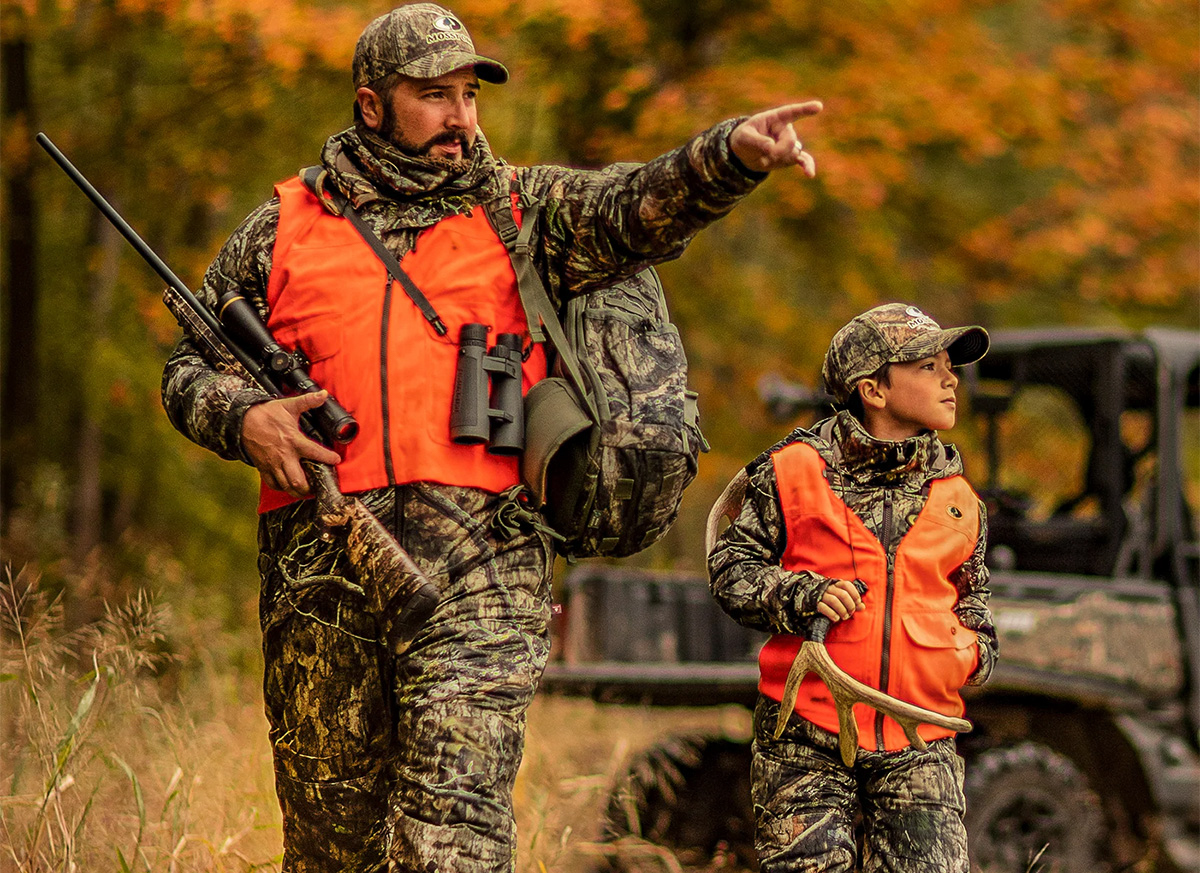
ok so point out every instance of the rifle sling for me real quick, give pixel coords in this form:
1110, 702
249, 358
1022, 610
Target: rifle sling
312, 178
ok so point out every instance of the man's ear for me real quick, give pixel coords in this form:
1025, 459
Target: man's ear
870, 392
370, 107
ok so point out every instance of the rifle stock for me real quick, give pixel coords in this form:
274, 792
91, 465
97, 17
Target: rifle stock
396, 588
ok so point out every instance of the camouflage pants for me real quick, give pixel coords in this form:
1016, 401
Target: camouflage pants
402, 763
806, 802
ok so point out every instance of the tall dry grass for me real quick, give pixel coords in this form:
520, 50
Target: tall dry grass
109, 761
103, 767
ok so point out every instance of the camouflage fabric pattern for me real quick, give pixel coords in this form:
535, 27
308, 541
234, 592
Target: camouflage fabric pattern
806, 801
420, 40
647, 449
744, 568
893, 333
410, 760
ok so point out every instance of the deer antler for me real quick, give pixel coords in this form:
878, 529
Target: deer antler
814, 658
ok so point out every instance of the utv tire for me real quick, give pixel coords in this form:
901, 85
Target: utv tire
691, 796
1030, 808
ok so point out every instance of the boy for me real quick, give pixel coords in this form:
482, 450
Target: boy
870, 494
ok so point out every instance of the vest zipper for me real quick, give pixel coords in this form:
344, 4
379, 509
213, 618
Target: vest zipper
383, 380
885, 656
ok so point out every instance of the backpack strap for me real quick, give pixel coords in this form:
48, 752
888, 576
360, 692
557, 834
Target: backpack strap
517, 242
314, 181
539, 311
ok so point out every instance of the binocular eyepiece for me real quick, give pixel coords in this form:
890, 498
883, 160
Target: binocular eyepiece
472, 420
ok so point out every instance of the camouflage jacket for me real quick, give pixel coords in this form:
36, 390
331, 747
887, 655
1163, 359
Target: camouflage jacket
747, 578
597, 226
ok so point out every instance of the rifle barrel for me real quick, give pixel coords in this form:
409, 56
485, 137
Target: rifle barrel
148, 255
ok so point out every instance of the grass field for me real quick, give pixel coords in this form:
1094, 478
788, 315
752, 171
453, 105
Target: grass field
115, 760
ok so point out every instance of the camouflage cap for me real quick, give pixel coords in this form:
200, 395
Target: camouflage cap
892, 334
422, 40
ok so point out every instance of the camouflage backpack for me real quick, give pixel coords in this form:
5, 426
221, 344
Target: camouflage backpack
612, 436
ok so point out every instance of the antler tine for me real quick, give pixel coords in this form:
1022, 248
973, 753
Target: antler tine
728, 505
846, 690
814, 658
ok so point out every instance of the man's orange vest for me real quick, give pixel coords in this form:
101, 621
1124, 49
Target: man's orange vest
912, 630
330, 295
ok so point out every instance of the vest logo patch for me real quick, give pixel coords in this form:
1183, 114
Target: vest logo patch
954, 511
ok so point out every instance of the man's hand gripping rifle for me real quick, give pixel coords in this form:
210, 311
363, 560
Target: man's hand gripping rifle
814, 658
238, 342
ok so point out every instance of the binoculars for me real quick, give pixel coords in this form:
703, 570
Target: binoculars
473, 420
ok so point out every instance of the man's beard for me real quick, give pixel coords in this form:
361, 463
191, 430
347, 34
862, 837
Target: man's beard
387, 130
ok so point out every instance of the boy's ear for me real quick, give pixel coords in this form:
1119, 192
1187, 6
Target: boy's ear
871, 394
370, 106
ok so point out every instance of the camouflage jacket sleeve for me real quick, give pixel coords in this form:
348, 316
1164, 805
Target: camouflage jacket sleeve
972, 610
602, 225
205, 405
744, 569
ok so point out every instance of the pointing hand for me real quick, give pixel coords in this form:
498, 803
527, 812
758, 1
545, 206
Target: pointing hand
767, 141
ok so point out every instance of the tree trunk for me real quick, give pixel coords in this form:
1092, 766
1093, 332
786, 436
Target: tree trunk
87, 527
19, 386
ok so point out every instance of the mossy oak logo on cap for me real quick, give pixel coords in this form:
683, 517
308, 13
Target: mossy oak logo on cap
918, 320
446, 28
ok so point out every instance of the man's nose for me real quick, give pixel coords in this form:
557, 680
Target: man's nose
459, 116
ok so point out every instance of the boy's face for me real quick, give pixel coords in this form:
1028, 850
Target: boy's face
918, 396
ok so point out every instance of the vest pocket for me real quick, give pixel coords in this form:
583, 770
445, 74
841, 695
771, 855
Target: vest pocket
320, 339
854, 629
941, 655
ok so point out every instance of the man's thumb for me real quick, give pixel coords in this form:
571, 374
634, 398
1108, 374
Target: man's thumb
304, 402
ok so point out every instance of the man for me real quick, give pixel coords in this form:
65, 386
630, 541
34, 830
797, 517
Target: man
412, 758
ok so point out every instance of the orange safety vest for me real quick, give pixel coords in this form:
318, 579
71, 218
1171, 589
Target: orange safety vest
907, 625
369, 345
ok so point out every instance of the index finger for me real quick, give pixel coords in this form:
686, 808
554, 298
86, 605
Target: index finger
792, 111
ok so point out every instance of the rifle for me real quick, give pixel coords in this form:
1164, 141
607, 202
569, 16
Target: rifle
237, 342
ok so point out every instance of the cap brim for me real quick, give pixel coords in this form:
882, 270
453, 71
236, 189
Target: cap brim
441, 63
965, 345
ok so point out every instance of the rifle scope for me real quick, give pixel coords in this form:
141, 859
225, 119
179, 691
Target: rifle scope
240, 319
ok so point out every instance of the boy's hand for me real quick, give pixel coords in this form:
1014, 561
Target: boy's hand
840, 600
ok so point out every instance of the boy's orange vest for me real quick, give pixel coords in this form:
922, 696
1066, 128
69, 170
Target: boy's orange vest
928, 652
329, 294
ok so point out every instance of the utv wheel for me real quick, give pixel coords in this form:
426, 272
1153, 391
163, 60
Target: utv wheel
1030, 808
690, 795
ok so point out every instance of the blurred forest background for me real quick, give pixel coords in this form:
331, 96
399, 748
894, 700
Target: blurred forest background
1004, 162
